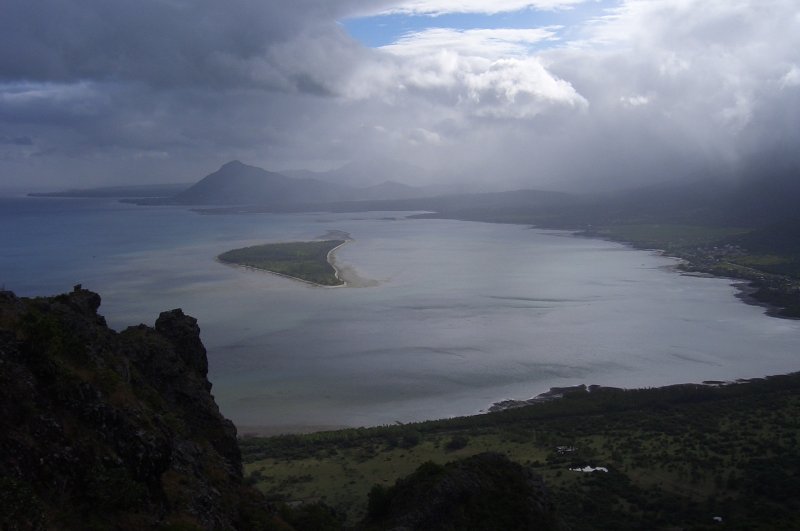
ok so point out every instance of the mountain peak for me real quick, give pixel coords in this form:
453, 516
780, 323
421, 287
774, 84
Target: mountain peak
232, 164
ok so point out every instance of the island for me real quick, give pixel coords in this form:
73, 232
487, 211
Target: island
305, 261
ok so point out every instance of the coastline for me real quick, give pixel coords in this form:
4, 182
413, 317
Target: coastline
554, 394
779, 295
745, 287
332, 261
745, 293
558, 393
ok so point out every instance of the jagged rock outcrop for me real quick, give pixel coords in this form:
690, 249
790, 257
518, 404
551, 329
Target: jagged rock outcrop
107, 430
102, 430
484, 492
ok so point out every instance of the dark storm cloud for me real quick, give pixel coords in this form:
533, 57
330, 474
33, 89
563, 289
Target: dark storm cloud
119, 82
158, 42
17, 140
115, 90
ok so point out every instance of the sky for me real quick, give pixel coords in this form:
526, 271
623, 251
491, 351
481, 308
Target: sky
558, 94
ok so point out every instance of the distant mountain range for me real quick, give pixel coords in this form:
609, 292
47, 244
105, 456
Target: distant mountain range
759, 201
239, 184
236, 183
365, 173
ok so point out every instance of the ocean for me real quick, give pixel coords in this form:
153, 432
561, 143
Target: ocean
453, 315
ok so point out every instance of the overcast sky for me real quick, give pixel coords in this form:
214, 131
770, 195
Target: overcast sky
539, 93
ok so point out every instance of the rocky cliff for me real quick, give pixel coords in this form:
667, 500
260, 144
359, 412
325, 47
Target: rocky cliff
102, 430
107, 430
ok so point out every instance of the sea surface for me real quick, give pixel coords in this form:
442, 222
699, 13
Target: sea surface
455, 316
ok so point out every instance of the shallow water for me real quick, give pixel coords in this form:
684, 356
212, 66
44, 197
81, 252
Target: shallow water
460, 315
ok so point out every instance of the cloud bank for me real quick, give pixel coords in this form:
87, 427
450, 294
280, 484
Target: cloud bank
109, 91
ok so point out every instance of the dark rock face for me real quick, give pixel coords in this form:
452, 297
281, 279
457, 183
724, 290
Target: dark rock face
106, 430
485, 492
182, 331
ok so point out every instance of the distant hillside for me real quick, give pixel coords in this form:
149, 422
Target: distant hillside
757, 202
516, 206
389, 190
236, 183
366, 173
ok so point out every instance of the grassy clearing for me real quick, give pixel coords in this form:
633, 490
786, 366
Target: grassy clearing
306, 261
676, 456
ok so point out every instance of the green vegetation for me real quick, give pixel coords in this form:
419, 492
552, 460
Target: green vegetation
676, 457
306, 261
669, 237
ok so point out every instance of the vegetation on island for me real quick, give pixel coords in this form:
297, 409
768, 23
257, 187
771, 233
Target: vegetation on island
307, 261
686, 456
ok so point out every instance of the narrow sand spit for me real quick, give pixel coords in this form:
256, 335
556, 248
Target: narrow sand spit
347, 274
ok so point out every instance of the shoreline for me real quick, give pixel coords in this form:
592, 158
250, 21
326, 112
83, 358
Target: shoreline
558, 393
746, 284
745, 291
745, 288
553, 394
331, 259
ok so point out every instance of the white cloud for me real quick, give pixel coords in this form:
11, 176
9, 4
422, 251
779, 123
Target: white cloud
710, 69
486, 73
518, 88
635, 101
738, 114
489, 7
421, 135
791, 78
474, 42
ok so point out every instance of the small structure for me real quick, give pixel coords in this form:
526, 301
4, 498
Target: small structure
588, 469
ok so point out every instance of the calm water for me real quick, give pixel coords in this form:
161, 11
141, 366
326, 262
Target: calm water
462, 314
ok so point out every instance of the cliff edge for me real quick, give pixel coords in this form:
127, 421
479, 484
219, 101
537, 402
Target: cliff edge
107, 430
